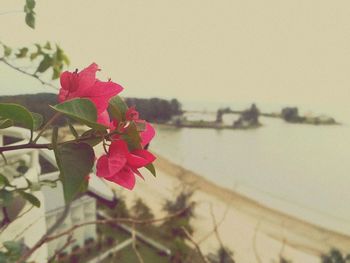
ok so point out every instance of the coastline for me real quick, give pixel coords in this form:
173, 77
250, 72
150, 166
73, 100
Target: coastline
254, 232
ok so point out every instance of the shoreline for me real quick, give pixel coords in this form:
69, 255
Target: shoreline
299, 239
190, 177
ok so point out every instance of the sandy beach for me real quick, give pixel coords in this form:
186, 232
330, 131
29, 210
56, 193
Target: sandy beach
252, 231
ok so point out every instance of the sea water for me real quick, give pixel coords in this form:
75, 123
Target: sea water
299, 169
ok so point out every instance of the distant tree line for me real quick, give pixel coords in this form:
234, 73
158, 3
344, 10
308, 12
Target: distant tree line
154, 109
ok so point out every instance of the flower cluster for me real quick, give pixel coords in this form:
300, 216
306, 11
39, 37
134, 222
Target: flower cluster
124, 157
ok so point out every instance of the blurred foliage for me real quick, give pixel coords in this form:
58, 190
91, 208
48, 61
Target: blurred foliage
12, 252
41, 56
173, 229
140, 210
335, 256
29, 13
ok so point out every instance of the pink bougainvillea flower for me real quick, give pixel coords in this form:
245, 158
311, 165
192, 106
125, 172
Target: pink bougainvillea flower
84, 84
120, 165
132, 115
149, 132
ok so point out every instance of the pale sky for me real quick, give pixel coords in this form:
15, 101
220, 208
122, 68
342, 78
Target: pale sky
295, 51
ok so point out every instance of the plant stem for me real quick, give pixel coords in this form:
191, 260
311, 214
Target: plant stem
25, 146
54, 117
3, 60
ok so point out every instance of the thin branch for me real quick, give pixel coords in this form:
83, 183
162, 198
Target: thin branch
282, 249
217, 234
4, 157
54, 117
134, 247
49, 146
257, 256
19, 216
69, 241
46, 238
189, 237
25, 229
25, 146
215, 226
33, 75
11, 12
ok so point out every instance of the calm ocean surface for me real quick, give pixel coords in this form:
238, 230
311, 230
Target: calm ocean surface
301, 170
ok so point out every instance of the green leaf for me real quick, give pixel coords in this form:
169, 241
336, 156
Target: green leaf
150, 167
18, 114
4, 181
47, 45
34, 55
38, 120
3, 257
5, 123
30, 198
30, 4
56, 73
44, 64
22, 52
118, 108
75, 162
30, 20
132, 137
82, 110
14, 250
6, 197
65, 59
7, 51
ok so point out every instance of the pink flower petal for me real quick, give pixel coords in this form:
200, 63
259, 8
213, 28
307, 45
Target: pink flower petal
147, 135
69, 84
103, 118
86, 78
137, 172
140, 158
74, 85
101, 92
125, 178
117, 157
102, 167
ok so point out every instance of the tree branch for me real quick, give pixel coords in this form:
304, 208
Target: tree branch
189, 237
69, 241
216, 231
33, 75
45, 237
134, 247
257, 256
25, 146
